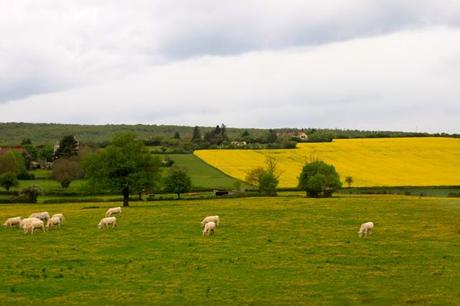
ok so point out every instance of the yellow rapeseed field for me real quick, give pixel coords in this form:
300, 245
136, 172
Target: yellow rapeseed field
424, 161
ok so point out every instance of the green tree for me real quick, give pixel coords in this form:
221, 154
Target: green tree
176, 135
266, 179
45, 153
272, 136
177, 181
124, 166
196, 137
68, 146
66, 170
268, 183
319, 179
12, 161
8, 180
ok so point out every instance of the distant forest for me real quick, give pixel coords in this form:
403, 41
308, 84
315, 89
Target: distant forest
50, 133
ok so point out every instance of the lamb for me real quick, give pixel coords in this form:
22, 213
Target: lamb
60, 216
112, 211
31, 224
44, 216
105, 222
11, 222
54, 221
365, 229
209, 228
214, 219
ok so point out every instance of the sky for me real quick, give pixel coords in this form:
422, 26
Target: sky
351, 64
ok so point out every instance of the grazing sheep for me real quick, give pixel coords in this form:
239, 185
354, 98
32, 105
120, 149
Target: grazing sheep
44, 216
26, 220
54, 221
209, 228
105, 222
60, 216
31, 224
365, 229
11, 222
214, 219
112, 211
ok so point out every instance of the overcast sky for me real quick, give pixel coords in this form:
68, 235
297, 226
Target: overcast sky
380, 64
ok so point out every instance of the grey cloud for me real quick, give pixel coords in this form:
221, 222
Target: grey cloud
398, 81
80, 43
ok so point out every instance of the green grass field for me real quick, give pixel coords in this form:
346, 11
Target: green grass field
267, 251
202, 174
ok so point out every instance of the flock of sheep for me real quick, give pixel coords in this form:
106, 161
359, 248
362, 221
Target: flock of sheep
37, 221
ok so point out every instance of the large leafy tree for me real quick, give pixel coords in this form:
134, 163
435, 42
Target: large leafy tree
178, 181
124, 166
8, 180
12, 162
66, 170
319, 179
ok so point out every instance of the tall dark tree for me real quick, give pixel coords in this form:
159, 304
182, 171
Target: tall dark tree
272, 136
68, 146
196, 137
176, 135
217, 136
124, 166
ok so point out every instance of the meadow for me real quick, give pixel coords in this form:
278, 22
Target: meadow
285, 250
203, 175
414, 161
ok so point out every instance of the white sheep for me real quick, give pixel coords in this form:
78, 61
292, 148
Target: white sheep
60, 216
54, 221
30, 224
209, 228
11, 222
113, 211
214, 219
366, 229
105, 222
44, 216
26, 220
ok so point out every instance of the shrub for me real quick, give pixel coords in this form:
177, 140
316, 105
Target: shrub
266, 178
268, 183
29, 194
319, 179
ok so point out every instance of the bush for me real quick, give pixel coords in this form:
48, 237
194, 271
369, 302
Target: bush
266, 178
268, 183
319, 179
29, 194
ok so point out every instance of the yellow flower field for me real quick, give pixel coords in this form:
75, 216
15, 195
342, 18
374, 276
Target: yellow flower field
424, 161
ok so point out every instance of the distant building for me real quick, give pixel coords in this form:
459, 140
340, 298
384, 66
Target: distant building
301, 135
239, 143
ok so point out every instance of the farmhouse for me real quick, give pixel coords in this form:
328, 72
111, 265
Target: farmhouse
301, 135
